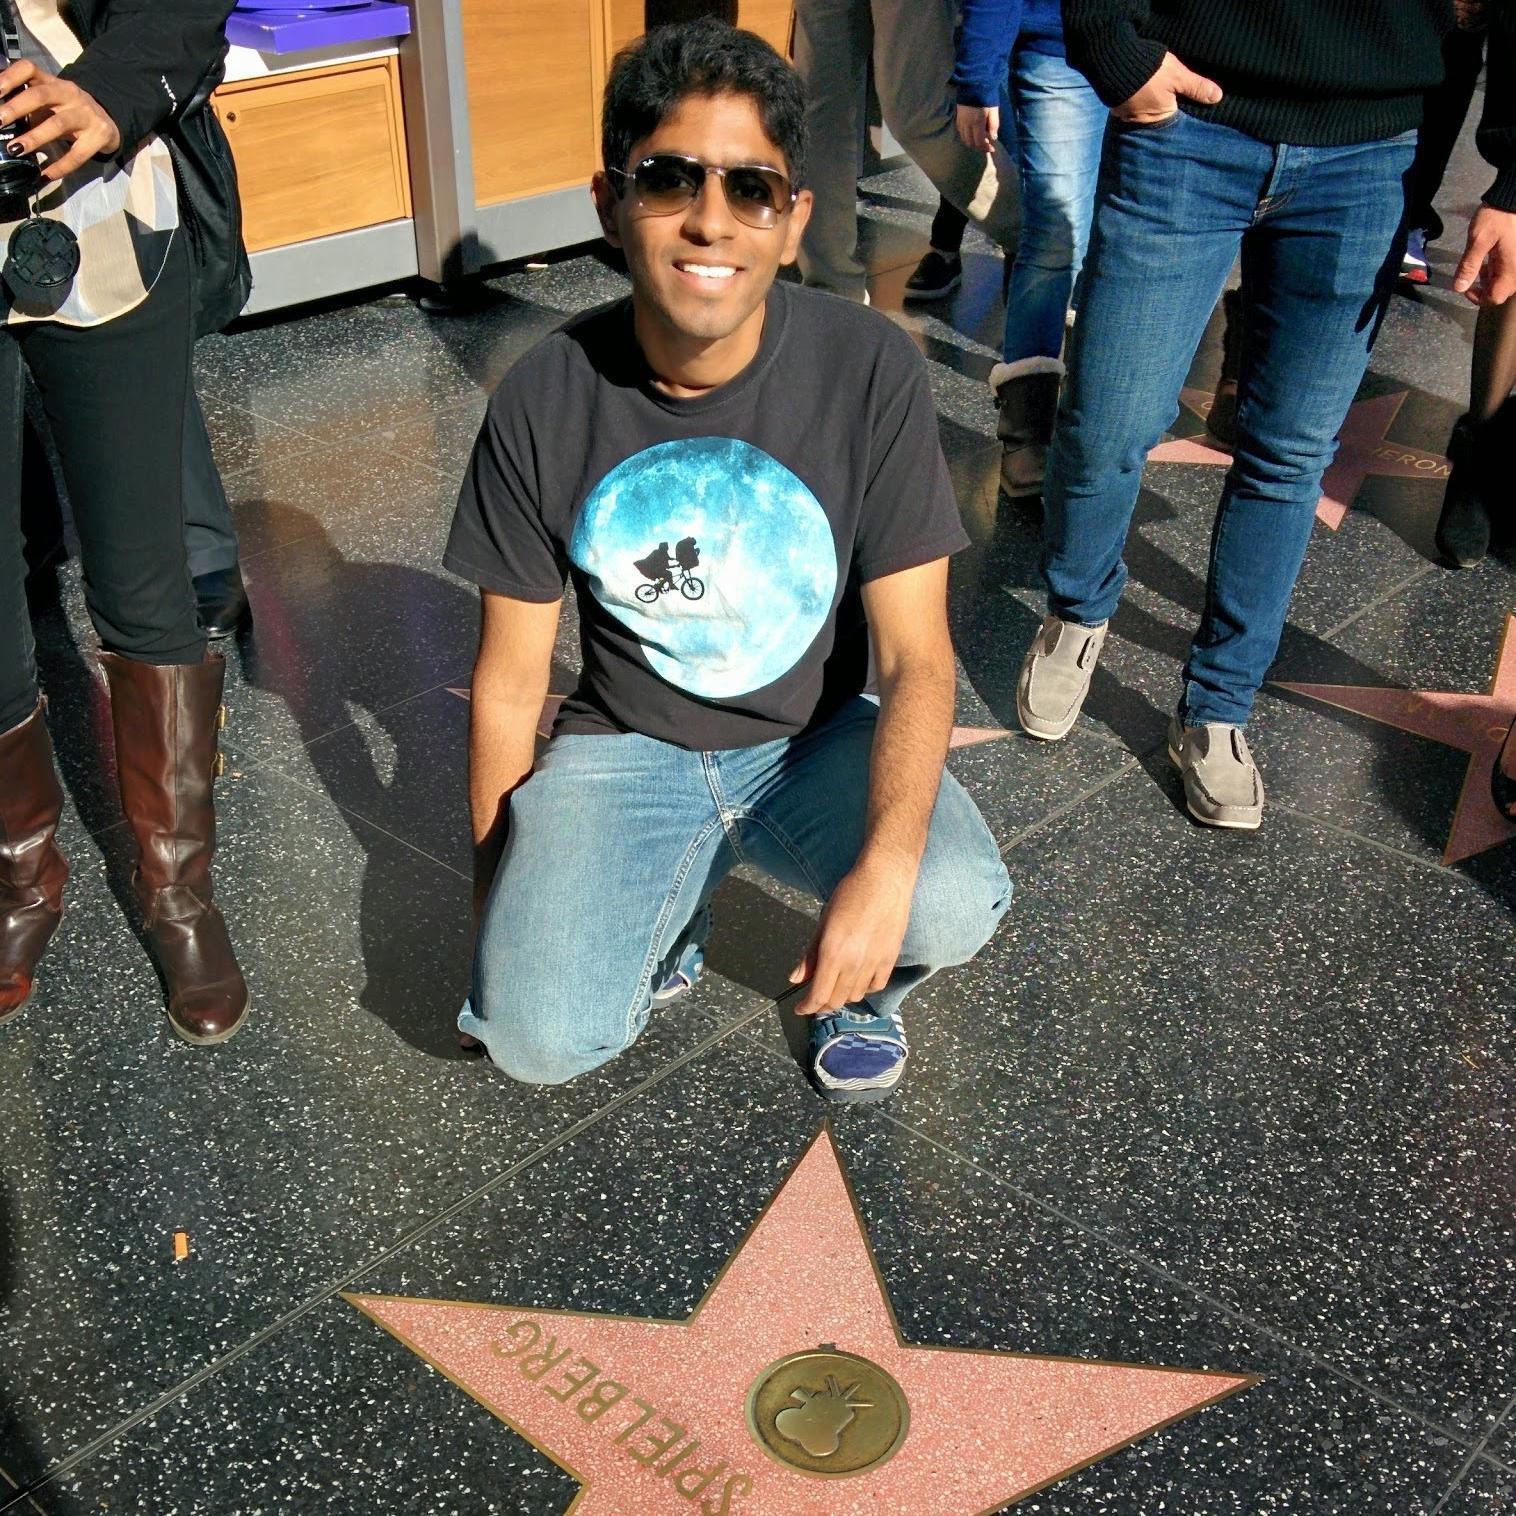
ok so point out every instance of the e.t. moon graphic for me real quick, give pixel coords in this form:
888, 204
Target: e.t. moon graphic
767, 562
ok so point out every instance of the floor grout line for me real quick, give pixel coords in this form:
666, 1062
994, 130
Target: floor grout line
1473, 1458
1378, 600
1402, 855
408, 1239
1060, 811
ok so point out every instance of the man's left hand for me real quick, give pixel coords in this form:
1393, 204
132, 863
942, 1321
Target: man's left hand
857, 943
57, 108
1486, 275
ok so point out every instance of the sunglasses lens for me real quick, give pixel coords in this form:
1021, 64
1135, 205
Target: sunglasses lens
756, 195
667, 184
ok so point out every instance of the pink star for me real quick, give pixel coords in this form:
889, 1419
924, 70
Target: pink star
1362, 451
1475, 724
653, 1417
972, 736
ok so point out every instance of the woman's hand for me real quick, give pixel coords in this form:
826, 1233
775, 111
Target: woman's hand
57, 109
978, 126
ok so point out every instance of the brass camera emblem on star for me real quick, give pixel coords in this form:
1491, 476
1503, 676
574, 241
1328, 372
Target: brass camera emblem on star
827, 1412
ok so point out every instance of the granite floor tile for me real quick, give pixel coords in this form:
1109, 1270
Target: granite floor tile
1253, 1059
1485, 1491
636, 1215
333, 372
341, 1117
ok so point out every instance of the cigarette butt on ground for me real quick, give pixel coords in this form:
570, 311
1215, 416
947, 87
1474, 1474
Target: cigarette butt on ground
181, 1246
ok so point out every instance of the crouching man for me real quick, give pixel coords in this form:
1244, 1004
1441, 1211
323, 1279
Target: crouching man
784, 442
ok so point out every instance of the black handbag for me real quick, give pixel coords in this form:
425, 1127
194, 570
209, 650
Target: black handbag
210, 209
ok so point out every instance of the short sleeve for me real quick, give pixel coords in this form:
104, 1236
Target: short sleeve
499, 539
909, 515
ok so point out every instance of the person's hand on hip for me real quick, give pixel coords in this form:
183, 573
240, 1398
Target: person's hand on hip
1158, 99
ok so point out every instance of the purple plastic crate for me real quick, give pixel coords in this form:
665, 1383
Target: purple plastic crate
294, 31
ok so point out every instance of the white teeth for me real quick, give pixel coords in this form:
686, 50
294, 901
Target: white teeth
707, 270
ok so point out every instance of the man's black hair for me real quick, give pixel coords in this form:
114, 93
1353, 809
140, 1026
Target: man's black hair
650, 77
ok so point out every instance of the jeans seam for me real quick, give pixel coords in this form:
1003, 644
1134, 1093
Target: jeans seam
724, 812
650, 959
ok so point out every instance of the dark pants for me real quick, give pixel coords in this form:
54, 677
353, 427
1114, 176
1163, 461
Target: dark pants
115, 397
1446, 107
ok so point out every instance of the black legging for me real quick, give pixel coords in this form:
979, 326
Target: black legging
114, 396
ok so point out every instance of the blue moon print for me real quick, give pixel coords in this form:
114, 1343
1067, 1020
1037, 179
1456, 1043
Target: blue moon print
767, 562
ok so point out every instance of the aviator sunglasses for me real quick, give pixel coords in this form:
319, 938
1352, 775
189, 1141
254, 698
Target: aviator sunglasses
668, 183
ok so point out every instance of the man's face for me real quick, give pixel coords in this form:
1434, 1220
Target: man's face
701, 270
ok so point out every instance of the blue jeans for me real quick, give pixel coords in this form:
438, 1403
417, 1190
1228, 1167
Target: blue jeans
1317, 229
617, 843
1059, 126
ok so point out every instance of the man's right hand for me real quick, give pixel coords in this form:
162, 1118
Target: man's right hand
1158, 99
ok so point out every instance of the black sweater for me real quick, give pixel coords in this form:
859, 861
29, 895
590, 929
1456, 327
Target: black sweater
1318, 72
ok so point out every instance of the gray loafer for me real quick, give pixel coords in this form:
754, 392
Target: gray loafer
1221, 782
1055, 677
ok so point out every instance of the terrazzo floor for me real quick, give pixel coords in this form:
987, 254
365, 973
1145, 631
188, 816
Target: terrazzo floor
1213, 1104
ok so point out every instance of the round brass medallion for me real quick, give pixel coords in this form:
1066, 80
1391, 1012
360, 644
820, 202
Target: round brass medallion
827, 1412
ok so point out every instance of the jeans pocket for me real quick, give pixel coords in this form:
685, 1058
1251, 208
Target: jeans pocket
1147, 126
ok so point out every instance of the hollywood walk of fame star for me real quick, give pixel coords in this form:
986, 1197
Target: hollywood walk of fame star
1475, 724
1362, 451
652, 1416
963, 736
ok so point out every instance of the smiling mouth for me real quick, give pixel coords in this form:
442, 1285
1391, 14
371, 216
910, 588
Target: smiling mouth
713, 273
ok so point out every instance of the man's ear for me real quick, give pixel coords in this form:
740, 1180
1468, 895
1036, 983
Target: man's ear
794, 228
606, 201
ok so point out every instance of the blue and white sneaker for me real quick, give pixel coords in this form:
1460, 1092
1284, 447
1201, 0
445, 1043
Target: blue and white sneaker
857, 1056
1413, 262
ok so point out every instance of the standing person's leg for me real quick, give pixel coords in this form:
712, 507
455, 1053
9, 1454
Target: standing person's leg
1318, 269
801, 817
1060, 124
940, 270
115, 400
833, 39
32, 870
1172, 203
613, 848
1477, 499
210, 538
913, 62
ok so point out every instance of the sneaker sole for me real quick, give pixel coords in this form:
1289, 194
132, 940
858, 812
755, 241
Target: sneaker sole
1218, 822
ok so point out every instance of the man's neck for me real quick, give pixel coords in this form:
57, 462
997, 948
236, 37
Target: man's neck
685, 367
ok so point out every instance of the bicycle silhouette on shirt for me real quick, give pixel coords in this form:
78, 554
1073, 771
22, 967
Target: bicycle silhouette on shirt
667, 571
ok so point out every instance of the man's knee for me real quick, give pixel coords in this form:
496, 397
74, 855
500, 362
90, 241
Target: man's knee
956, 910
540, 1038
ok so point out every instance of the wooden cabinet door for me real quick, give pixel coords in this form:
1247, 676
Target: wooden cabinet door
534, 73
317, 152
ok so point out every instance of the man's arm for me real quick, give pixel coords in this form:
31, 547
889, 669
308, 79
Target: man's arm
511, 675
1487, 273
857, 943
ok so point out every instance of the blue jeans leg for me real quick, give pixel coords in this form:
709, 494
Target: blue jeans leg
801, 818
615, 847
1318, 267
1059, 126
1173, 202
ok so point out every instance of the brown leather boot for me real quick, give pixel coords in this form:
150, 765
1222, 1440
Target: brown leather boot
166, 718
32, 870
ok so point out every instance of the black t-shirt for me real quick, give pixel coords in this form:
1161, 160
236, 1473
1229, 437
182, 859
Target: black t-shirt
716, 545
